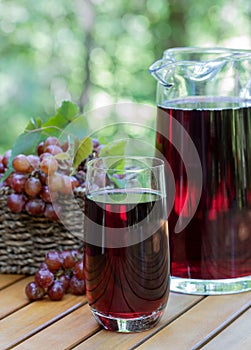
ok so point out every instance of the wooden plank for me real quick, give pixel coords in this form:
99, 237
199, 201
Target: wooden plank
77, 326
13, 297
177, 304
7, 279
235, 337
34, 317
199, 324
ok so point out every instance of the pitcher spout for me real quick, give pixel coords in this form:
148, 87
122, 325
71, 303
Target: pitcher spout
159, 71
187, 72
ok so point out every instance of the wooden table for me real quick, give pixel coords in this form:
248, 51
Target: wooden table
189, 322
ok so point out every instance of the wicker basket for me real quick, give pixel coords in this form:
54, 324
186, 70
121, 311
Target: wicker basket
24, 240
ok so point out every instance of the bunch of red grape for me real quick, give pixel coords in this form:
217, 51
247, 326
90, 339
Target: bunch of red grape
37, 180
61, 272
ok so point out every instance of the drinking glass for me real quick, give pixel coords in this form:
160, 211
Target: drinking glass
126, 249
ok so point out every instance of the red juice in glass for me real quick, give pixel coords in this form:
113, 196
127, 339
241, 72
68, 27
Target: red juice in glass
128, 281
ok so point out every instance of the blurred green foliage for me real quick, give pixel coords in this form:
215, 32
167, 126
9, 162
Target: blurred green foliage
97, 52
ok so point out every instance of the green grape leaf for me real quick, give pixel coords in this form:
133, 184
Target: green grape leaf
78, 127
64, 116
62, 156
34, 124
68, 110
83, 151
26, 143
118, 183
36, 131
116, 148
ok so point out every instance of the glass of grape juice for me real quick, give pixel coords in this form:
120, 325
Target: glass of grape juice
126, 248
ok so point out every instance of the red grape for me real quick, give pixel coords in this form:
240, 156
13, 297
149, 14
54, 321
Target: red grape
16, 202
6, 158
2, 168
17, 182
55, 182
35, 206
69, 259
50, 212
51, 140
65, 280
49, 165
32, 186
95, 143
76, 254
34, 291
53, 149
43, 265
53, 260
47, 195
9, 179
44, 278
45, 155
42, 177
34, 161
78, 270
65, 146
56, 291
40, 148
77, 286
74, 182
21, 164
99, 149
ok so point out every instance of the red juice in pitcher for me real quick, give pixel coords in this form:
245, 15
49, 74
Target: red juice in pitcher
216, 244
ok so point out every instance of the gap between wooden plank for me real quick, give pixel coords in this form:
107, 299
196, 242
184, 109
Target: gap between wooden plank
13, 298
235, 337
165, 325
21, 337
198, 322
77, 326
223, 326
7, 280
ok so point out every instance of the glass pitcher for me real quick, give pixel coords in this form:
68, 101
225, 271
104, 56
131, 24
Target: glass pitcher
204, 133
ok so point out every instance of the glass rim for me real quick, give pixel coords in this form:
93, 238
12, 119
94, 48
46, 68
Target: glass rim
159, 163
205, 50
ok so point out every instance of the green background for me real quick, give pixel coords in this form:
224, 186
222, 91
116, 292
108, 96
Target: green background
97, 53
